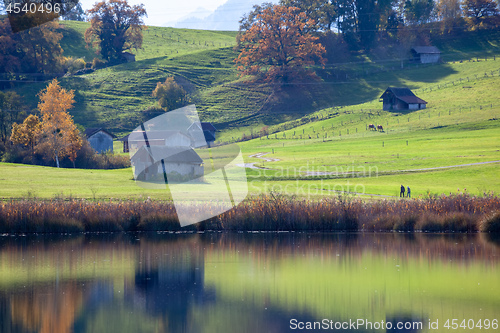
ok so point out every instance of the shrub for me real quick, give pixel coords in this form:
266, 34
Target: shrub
407, 224
15, 154
74, 65
87, 158
98, 63
158, 221
491, 223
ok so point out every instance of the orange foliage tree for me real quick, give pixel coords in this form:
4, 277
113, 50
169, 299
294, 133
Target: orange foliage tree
278, 47
26, 133
115, 26
59, 136
170, 95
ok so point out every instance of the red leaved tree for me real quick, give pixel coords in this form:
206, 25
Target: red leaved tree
278, 46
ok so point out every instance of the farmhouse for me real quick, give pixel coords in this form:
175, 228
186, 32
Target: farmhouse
100, 139
180, 163
400, 99
426, 54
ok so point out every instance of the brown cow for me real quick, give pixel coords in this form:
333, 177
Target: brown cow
371, 126
380, 128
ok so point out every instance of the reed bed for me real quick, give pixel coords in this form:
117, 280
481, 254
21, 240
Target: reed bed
456, 213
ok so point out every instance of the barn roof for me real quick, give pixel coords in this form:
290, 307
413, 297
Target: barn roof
152, 135
404, 94
209, 137
426, 50
169, 154
91, 131
206, 126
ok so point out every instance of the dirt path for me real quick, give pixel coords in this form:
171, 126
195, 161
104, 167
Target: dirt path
258, 155
316, 173
448, 166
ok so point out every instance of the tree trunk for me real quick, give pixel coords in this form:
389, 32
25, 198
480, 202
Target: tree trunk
57, 160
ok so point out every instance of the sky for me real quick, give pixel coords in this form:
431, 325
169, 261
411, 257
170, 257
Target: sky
161, 12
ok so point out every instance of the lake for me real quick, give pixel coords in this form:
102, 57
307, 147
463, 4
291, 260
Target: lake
250, 282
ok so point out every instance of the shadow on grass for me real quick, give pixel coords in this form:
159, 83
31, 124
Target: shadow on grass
74, 44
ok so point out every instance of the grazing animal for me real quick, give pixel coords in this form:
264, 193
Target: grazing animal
371, 126
380, 128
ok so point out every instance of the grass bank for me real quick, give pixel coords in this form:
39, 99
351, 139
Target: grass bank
454, 213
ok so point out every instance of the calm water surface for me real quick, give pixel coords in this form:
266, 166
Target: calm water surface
248, 282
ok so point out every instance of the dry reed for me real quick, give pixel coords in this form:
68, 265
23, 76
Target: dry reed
456, 213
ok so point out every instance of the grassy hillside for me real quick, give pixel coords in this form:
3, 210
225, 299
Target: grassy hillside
203, 62
157, 41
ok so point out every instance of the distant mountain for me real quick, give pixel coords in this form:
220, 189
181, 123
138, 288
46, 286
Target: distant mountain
198, 14
225, 17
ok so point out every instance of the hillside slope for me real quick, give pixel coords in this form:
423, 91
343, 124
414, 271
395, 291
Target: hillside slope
202, 61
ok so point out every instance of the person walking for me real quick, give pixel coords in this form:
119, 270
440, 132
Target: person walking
402, 193
408, 192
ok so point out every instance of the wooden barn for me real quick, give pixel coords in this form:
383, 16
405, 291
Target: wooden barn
426, 54
401, 99
100, 139
128, 57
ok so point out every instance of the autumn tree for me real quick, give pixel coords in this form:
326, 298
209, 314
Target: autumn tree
41, 49
278, 47
322, 12
26, 134
449, 13
170, 95
58, 135
11, 110
35, 51
480, 10
115, 27
418, 12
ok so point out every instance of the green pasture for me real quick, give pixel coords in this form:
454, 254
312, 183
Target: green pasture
26, 181
157, 41
429, 161
393, 152
476, 180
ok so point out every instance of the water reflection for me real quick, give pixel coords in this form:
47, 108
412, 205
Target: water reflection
243, 282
